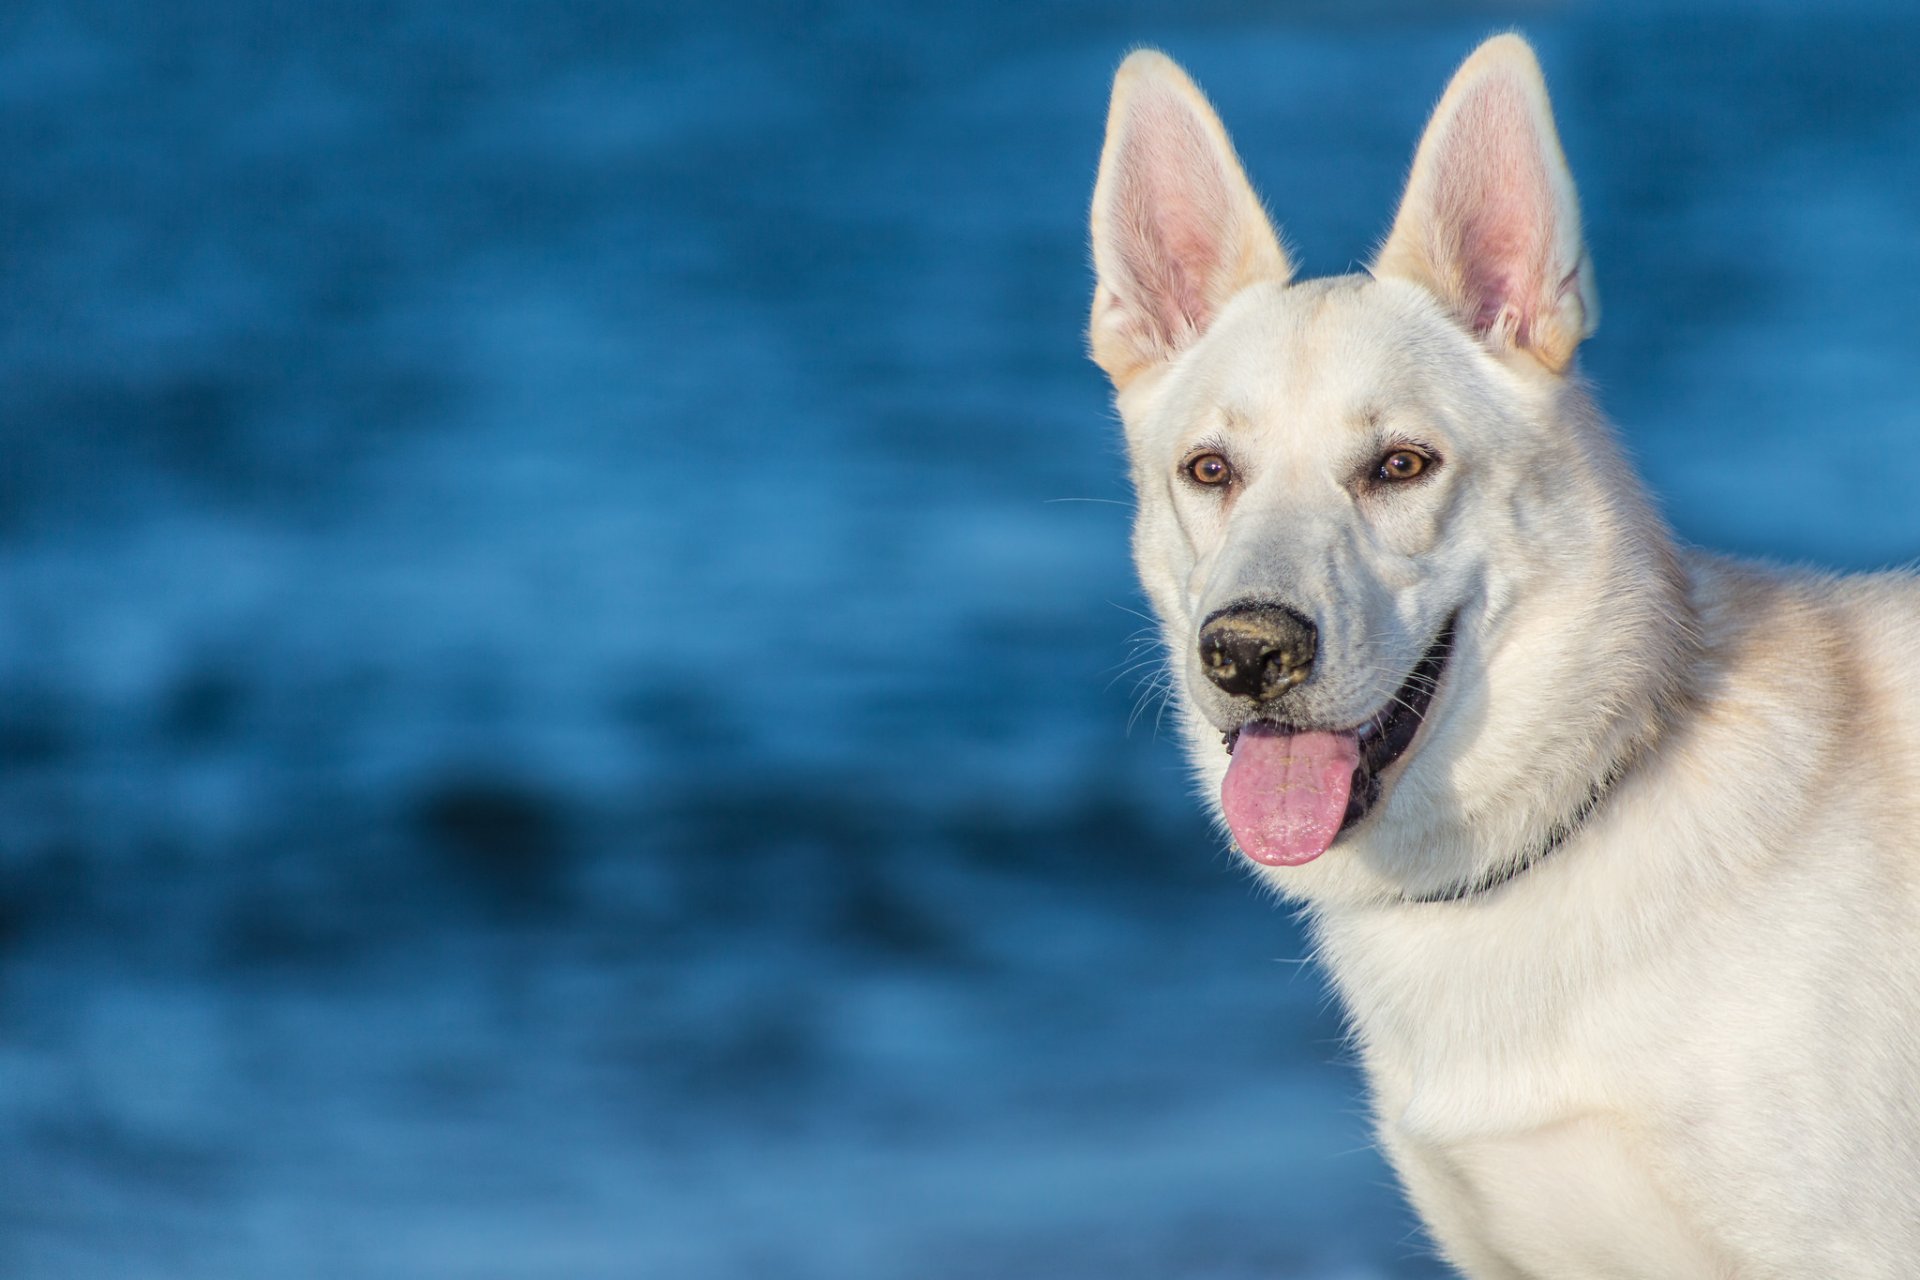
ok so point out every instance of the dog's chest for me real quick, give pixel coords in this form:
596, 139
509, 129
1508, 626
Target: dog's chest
1520, 1129
1568, 1198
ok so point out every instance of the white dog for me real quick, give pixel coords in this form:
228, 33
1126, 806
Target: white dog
1612, 846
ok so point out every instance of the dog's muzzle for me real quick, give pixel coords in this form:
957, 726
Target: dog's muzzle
1257, 651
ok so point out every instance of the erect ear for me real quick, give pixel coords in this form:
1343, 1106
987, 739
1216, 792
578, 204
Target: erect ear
1490, 221
1176, 229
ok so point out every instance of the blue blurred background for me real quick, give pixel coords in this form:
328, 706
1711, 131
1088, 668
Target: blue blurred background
569, 700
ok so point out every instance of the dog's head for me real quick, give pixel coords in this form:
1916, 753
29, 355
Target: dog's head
1400, 568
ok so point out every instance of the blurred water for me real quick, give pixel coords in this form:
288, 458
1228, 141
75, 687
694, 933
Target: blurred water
564, 621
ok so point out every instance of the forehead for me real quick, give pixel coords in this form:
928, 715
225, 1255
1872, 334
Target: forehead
1331, 350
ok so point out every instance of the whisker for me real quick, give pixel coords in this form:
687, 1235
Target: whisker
1127, 671
1157, 690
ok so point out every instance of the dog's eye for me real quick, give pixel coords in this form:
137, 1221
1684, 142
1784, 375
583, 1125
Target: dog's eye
1210, 469
1403, 464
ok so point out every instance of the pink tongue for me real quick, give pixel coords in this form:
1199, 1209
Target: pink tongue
1286, 793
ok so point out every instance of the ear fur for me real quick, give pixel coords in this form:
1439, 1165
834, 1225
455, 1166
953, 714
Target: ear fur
1177, 229
1490, 221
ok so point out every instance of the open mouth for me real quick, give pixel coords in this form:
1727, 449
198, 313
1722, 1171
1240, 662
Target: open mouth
1289, 792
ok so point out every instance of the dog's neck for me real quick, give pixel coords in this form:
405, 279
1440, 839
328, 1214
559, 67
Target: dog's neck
1633, 874
1533, 809
1526, 860
1652, 659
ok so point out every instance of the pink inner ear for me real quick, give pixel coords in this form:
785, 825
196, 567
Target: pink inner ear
1172, 212
1493, 210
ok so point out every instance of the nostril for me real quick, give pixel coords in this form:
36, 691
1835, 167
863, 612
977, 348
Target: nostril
1281, 664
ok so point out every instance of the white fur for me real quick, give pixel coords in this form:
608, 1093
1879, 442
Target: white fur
1687, 1042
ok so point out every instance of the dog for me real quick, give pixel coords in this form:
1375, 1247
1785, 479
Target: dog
1611, 846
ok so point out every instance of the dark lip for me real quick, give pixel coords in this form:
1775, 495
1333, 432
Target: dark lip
1386, 737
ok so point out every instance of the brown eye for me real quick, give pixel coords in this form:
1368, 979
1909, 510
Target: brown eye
1403, 464
1210, 469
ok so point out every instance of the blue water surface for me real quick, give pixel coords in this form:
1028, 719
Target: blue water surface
572, 702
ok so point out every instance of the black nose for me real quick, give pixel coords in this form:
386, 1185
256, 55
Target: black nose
1257, 651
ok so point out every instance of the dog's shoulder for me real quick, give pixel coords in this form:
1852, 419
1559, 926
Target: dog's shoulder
1808, 679
1787, 622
